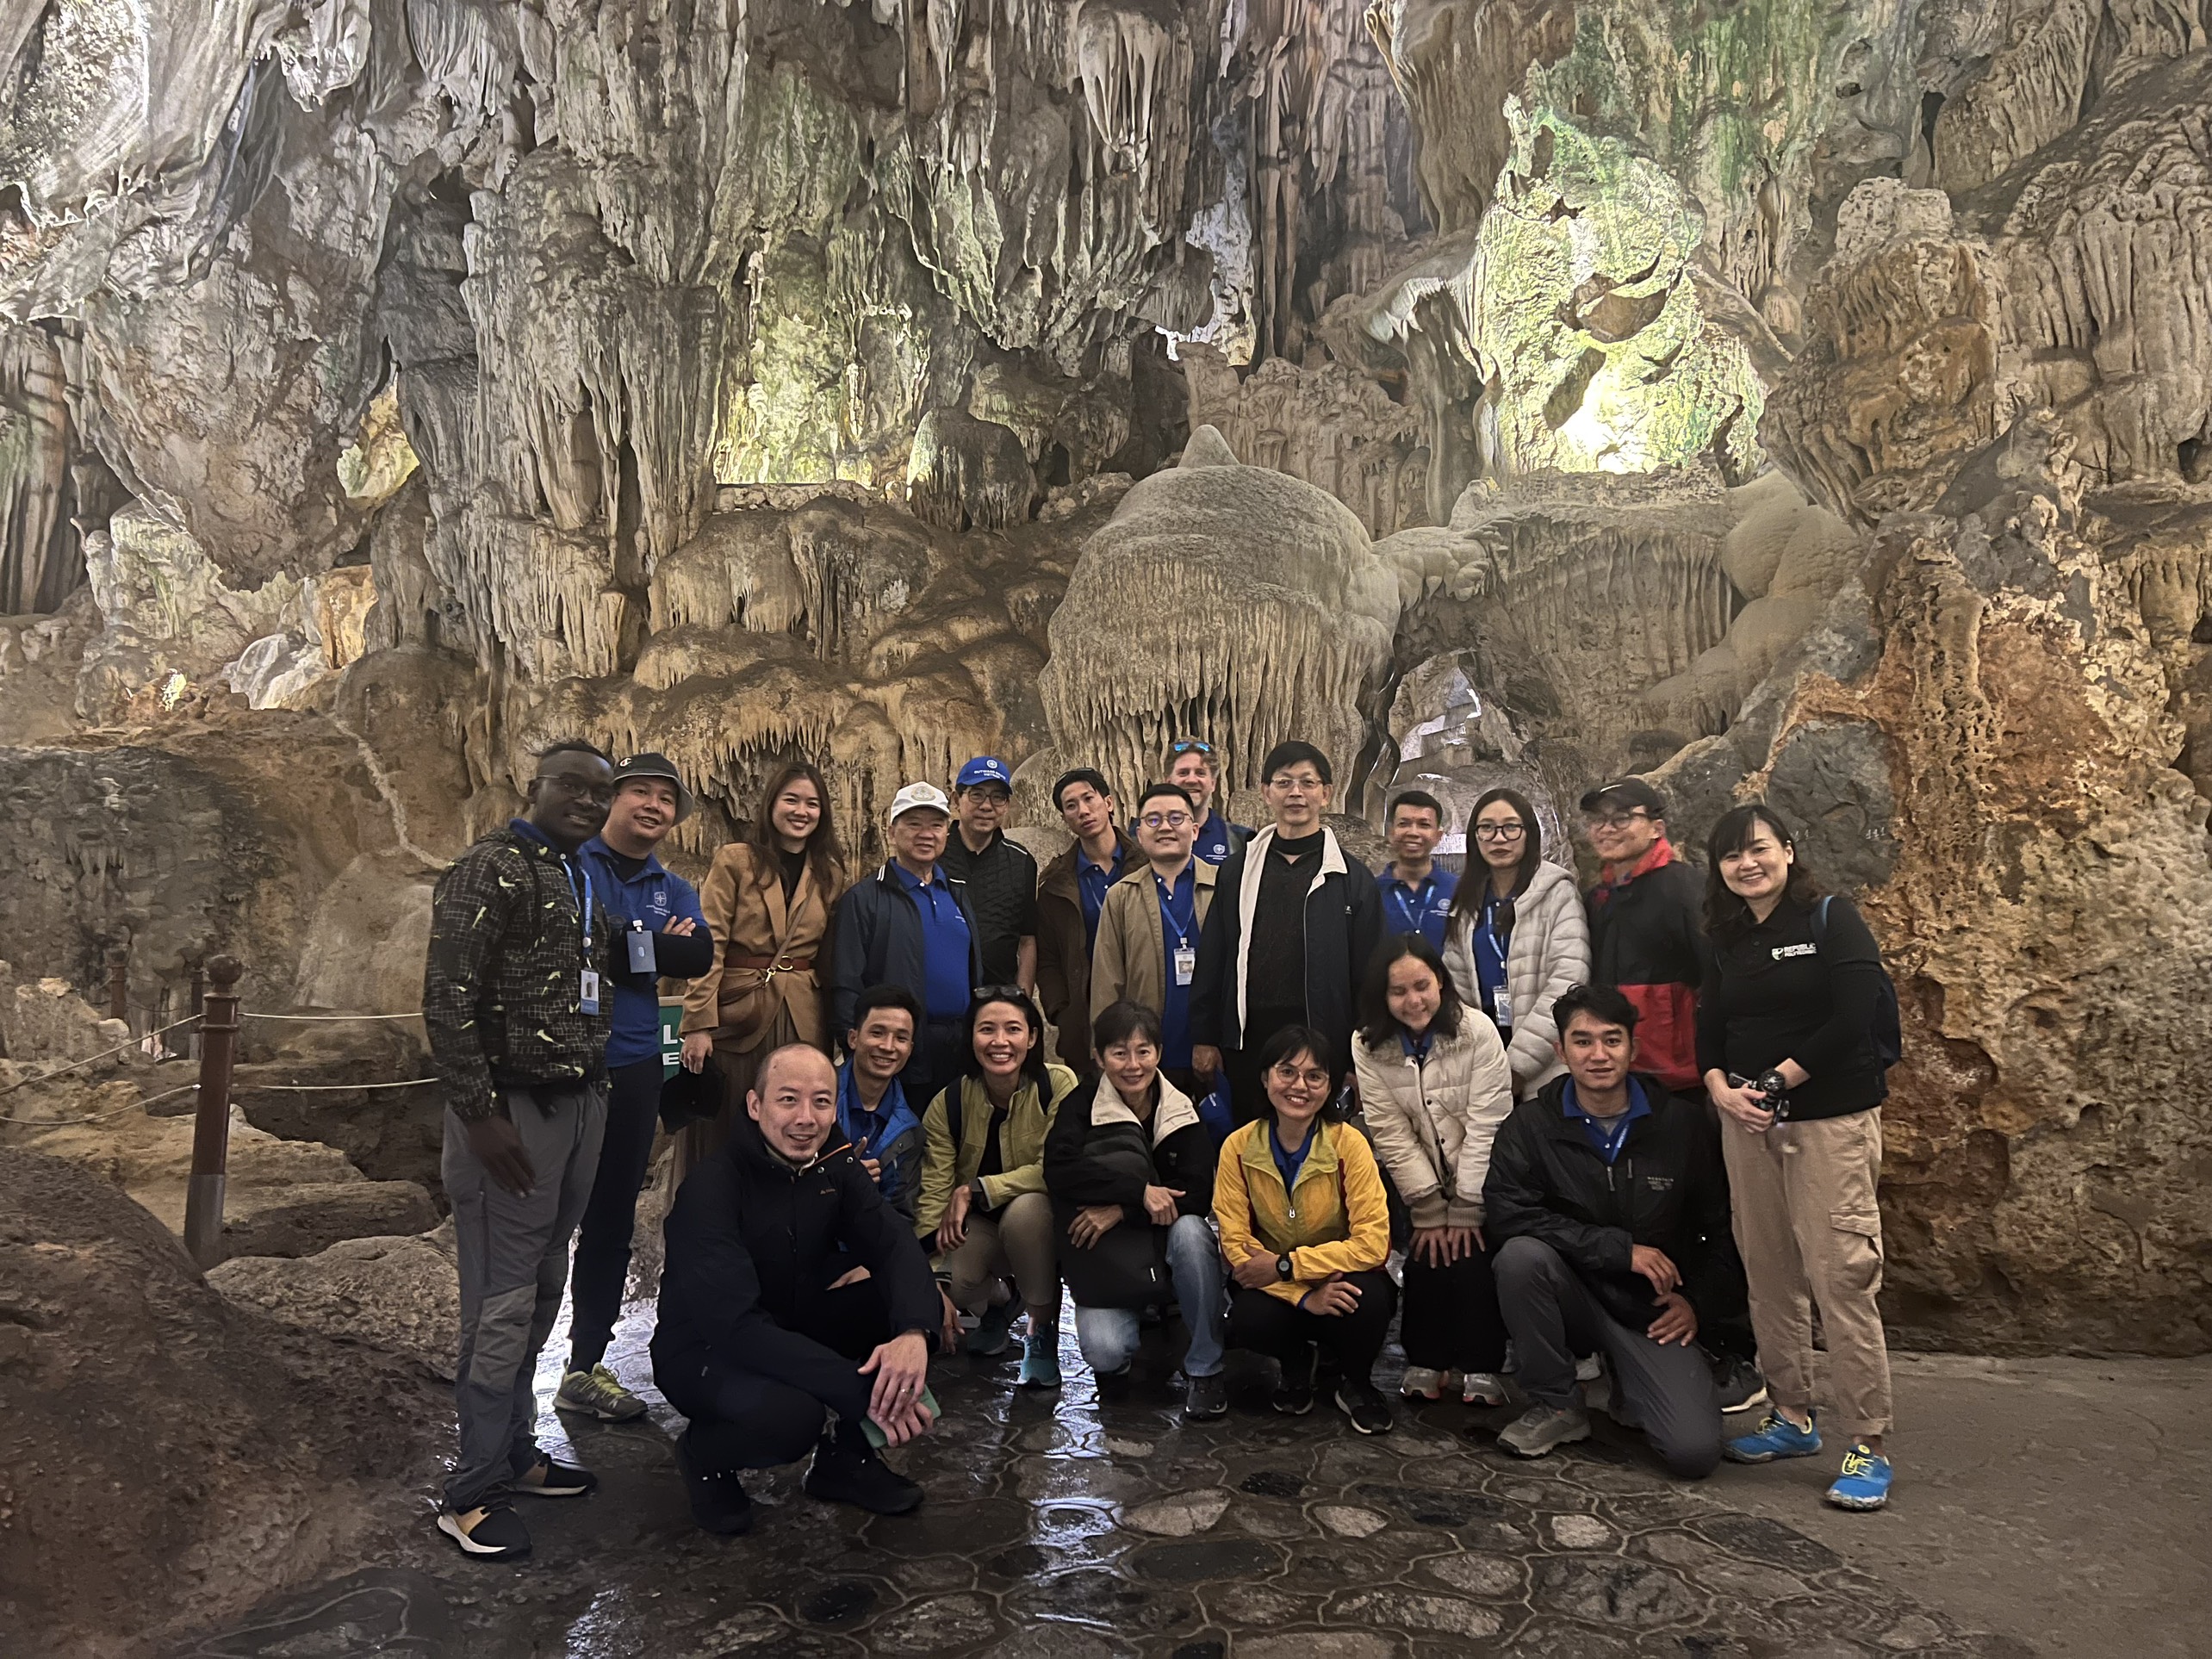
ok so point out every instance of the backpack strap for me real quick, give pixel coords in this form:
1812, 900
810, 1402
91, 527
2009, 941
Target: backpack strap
1820, 917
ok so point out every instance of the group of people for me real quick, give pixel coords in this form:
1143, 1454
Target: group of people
1606, 1147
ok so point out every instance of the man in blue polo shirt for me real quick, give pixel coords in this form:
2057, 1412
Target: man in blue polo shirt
1195, 769
660, 934
909, 925
1416, 895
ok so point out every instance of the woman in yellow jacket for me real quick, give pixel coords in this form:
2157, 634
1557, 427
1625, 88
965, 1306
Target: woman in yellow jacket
983, 1210
1305, 1231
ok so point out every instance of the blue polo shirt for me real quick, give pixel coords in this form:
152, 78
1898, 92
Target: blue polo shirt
944, 943
1607, 1138
1091, 881
1418, 909
1218, 838
1178, 926
630, 891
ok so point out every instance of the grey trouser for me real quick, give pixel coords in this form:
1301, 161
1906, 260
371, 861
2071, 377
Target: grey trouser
513, 1257
1667, 1388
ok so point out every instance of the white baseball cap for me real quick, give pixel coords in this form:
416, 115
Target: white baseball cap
916, 795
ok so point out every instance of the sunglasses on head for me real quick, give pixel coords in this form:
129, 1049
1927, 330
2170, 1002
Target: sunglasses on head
1183, 746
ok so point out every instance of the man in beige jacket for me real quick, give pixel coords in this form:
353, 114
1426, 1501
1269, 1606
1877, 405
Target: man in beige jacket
1147, 948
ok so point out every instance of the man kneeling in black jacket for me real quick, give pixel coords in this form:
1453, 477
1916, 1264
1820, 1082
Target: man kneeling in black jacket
1608, 1208
765, 1308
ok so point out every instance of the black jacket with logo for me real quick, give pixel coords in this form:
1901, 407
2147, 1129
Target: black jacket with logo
1667, 1188
1788, 988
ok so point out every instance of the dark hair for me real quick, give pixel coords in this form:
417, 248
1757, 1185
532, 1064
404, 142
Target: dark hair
886, 995
1379, 1025
1033, 1067
1416, 799
1289, 1043
1163, 789
1727, 916
1605, 1003
573, 746
1289, 753
825, 854
1121, 1021
1474, 882
1082, 775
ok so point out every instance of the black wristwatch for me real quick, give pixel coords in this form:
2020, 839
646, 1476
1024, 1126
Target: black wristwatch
1282, 1267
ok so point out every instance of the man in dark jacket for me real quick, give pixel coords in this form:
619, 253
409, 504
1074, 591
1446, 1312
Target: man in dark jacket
1070, 896
1294, 924
1647, 926
908, 924
998, 877
765, 1308
515, 1001
1608, 1210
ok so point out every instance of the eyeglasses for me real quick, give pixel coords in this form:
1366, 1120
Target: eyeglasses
1165, 820
1001, 994
1616, 820
1296, 780
1314, 1077
1183, 746
1499, 831
599, 792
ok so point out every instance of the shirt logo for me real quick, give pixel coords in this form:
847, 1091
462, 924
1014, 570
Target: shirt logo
1660, 1183
1781, 951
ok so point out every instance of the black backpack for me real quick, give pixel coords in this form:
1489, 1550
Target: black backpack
1887, 1032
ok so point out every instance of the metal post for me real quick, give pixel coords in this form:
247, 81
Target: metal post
204, 1199
196, 965
119, 979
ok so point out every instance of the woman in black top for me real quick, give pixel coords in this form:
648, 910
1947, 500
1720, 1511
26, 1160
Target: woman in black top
1785, 1043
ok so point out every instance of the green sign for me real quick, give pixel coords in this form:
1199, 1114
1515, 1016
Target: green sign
672, 1040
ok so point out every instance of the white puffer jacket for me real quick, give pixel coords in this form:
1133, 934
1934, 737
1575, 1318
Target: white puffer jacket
1550, 952
1433, 1124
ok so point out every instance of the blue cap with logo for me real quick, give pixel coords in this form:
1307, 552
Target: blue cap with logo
984, 769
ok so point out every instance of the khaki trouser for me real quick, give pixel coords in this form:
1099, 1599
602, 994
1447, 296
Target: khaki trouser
1018, 1243
1806, 1223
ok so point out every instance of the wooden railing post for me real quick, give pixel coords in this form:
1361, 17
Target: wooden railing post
203, 1198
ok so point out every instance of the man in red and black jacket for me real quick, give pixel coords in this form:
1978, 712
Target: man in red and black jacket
1647, 927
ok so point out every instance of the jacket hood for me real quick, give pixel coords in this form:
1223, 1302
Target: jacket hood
1174, 1111
1548, 875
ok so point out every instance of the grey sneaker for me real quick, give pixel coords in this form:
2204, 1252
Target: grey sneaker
1209, 1396
597, 1392
1541, 1427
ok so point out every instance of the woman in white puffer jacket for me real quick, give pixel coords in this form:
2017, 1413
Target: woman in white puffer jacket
1517, 936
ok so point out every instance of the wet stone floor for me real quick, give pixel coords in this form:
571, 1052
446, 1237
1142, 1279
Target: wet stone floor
1059, 1525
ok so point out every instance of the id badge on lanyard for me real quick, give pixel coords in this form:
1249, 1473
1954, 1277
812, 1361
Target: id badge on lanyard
1186, 964
1502, 1006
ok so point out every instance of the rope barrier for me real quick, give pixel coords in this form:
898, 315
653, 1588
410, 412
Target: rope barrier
89, 1060
243, 1085
328, 1019
99, 1117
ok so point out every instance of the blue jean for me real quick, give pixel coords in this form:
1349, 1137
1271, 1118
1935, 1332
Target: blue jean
1107, 1336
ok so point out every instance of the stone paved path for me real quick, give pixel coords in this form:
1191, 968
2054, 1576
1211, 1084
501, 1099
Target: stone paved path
1061, 1529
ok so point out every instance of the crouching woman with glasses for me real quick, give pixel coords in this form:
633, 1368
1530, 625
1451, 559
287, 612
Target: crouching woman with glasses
1305, 1231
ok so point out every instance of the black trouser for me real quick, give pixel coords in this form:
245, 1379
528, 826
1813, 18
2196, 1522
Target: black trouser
940, 1054
1247, 1087
1666, 1389
1452, 1322
741, 1420
1267, 1324
602, 1264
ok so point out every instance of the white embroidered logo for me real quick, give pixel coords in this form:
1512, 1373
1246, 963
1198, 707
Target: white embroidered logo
1781, 951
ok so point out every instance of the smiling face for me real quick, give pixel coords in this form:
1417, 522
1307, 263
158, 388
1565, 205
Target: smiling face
883, 1045
917, 838
795, 811
644, 811
1621, 833
1166, 830
982, 810
1193, 774
1131, 1065
794, 1101
1414, 993
1500, 837
1297, 798
1003, 1038
569, 796
1759, 870
1597, 1054
1415, 833
1297, 1087
1088, 814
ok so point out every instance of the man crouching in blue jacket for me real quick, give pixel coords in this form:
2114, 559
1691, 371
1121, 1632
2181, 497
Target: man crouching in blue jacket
763, 1314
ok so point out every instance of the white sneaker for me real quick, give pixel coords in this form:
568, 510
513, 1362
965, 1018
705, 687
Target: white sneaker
1481, 1389
1422, 1383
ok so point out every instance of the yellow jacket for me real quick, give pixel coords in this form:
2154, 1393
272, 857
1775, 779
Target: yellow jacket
1340, 1222
1021, 1144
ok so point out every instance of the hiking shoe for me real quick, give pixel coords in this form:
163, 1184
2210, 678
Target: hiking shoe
1541, 1427
1293, 1395
1040, 1358
596, 1393
1587, 1368
1739, 1383
1481, 1389
1420, 1382
846, 1469
719, 1502
1775, 1437
1208, 1397
994, 1332
549, 1478
1363, 1404
1112, 1385
1865, 1481
490, 1532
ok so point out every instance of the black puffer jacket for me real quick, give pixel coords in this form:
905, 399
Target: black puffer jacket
1098, 1153
1667, 1188
752, 1240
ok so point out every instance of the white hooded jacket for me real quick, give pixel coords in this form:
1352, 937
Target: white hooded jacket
1550, 952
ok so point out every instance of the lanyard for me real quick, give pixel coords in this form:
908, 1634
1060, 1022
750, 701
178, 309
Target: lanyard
1413, 903
1167, 907
583, 901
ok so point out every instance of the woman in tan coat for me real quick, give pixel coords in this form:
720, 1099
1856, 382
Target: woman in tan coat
768, 900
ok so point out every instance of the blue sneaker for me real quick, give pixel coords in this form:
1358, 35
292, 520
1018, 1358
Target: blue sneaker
1865, 1481
1775, 1437
1040, 1358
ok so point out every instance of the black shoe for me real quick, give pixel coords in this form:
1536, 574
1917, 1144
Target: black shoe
1113, 1385
1368, 1412
1293, 1395
1739, 1383
1208, 1397
846, 1469
549, 1478
490, 1532
719, 1501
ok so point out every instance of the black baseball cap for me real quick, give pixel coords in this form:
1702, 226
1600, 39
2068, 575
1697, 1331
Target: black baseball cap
647, 764
1626, 793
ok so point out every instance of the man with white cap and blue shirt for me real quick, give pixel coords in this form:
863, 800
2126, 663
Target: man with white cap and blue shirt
908, 924
999, 877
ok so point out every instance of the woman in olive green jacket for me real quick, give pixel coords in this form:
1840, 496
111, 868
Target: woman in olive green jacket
982, 1206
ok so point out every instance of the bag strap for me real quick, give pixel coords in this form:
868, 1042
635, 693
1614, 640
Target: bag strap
1820, 917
